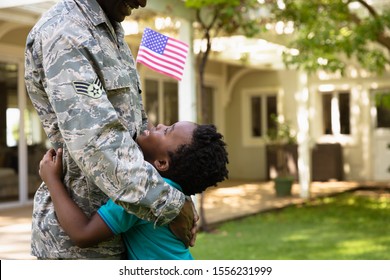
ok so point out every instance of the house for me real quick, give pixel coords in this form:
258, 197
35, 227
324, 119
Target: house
324, 109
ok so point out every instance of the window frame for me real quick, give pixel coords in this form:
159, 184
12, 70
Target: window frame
374, 114
335, 94
354, 91
160, 96
246, 122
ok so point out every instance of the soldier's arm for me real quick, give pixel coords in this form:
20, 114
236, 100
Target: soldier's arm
96, 138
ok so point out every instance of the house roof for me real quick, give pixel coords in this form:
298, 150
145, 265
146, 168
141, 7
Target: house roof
18, 16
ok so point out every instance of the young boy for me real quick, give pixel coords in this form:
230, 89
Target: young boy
191, 157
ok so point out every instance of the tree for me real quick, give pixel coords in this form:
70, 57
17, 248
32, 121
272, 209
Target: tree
221, 17
214, 18
330, 34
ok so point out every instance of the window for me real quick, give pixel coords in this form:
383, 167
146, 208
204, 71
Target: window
32, 127
161, 101
170, 108
262, 109
18, 150
256, 113
151, 101
258, 109
336, 113
382, 105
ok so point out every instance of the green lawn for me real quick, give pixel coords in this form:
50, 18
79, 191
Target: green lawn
343, 227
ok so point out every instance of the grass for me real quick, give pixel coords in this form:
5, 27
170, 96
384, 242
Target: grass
343, 227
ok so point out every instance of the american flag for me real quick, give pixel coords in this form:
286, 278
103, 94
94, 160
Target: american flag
162, 53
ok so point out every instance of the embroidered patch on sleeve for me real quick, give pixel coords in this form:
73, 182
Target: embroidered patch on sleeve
94, 90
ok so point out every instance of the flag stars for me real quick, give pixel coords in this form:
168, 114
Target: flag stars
154, 41
162, 53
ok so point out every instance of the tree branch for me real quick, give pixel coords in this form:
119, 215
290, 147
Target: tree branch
381, 38
369, 8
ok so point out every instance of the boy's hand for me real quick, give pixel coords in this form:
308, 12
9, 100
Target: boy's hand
50, 167
184, 225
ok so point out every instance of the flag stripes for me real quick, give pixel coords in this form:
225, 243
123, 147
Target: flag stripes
162, 53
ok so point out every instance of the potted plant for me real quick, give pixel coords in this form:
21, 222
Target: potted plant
282, 142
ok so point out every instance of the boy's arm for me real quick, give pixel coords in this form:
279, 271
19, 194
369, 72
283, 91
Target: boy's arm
83, 231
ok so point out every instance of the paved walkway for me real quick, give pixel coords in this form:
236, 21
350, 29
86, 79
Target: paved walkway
236, 199
230, 200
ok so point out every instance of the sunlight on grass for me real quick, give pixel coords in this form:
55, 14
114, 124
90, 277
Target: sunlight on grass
383, 203
298, 237
355, 248
341, 227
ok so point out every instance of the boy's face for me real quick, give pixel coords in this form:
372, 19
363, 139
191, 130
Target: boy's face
158, 141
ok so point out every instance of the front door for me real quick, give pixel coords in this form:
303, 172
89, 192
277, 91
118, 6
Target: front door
381, 134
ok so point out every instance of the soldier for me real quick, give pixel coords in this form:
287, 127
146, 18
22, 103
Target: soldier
191, 157
82, 80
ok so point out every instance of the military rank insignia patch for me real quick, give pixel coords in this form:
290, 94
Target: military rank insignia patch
93, 90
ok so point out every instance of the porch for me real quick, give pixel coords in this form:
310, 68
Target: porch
230, 200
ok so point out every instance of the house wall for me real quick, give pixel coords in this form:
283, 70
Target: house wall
16, 36
214, 68
249, 161
359, 148
288, 82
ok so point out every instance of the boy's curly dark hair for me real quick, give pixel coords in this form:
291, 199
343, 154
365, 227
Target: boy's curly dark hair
200, 164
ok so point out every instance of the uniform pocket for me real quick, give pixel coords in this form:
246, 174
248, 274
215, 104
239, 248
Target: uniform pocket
114, 79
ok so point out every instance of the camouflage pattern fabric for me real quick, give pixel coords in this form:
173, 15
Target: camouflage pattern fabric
82, 80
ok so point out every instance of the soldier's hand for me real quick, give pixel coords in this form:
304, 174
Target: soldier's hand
184, 225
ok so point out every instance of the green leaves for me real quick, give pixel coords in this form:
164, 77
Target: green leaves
199, 4
331, 32
231, 16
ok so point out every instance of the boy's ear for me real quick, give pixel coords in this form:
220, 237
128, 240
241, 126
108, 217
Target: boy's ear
161, 165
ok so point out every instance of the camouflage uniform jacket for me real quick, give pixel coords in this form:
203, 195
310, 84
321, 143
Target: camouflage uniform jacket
82, 80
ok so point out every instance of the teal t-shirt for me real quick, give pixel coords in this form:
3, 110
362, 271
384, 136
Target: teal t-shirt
143, 240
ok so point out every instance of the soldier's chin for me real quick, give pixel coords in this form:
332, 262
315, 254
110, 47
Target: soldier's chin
142, 136
145, 133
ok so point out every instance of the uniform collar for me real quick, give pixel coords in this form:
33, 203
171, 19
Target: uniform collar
93, 11
96, 15
173, 184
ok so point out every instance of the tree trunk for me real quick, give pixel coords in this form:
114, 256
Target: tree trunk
202, 65
203, 222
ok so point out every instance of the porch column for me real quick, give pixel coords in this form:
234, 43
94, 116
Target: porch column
304, 160
187, 86
22, 145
